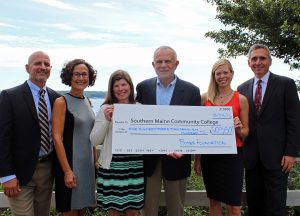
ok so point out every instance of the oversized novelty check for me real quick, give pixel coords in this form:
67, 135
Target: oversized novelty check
157, 129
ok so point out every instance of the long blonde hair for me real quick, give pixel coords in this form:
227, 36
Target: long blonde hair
213, 89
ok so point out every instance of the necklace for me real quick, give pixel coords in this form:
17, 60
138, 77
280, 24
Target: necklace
221, 99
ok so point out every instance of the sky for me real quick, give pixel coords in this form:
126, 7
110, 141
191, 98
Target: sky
112, 35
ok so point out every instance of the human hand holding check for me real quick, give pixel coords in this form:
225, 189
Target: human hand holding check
108, 112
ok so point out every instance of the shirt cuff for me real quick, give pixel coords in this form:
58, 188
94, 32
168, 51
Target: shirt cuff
7, 178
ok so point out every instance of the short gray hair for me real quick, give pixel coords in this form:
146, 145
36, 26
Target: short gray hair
258, 46
163, 48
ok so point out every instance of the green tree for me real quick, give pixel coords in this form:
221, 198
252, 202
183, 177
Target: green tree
275, 23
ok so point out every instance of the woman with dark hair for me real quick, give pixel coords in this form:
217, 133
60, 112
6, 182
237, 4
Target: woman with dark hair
72, 122
120, 182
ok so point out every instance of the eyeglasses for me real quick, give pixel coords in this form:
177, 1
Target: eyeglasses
77, 75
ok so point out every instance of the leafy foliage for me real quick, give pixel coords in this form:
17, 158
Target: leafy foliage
275, 23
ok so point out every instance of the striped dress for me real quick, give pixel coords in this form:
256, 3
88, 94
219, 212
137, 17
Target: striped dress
122, 186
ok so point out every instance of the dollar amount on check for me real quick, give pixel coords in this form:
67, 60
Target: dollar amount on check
157, 129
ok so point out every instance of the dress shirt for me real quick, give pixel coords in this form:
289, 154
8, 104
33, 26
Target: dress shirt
36, 96
264, 82
164, 94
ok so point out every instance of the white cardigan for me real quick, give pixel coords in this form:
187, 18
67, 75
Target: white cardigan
102, 135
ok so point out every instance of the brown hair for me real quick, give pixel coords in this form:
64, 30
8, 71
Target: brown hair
67, 71
115, 76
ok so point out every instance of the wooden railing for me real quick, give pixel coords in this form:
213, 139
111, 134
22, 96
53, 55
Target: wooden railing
193, 198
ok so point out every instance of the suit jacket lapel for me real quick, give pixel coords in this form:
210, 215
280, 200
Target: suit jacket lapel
249, 91
268, 93
29, 101
178, 93
51, 97
152, 91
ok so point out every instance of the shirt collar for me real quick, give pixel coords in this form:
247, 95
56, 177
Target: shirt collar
264, 79
171, 84
34, 88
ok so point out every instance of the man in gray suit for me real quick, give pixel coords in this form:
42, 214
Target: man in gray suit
172, 169
271, 148
26, 167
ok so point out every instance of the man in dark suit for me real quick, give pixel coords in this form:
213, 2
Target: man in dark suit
271, 148
172, 169
25, 167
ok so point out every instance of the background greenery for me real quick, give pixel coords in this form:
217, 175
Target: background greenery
196, 183
275, 23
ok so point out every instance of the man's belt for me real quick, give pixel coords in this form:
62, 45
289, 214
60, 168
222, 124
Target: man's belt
45, 158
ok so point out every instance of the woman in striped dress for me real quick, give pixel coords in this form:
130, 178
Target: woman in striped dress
120, 182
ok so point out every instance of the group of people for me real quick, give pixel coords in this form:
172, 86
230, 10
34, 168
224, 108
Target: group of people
48, 137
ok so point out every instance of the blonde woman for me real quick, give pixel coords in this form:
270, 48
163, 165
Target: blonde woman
223, 173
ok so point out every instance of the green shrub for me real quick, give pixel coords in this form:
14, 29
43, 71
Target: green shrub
196, 183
